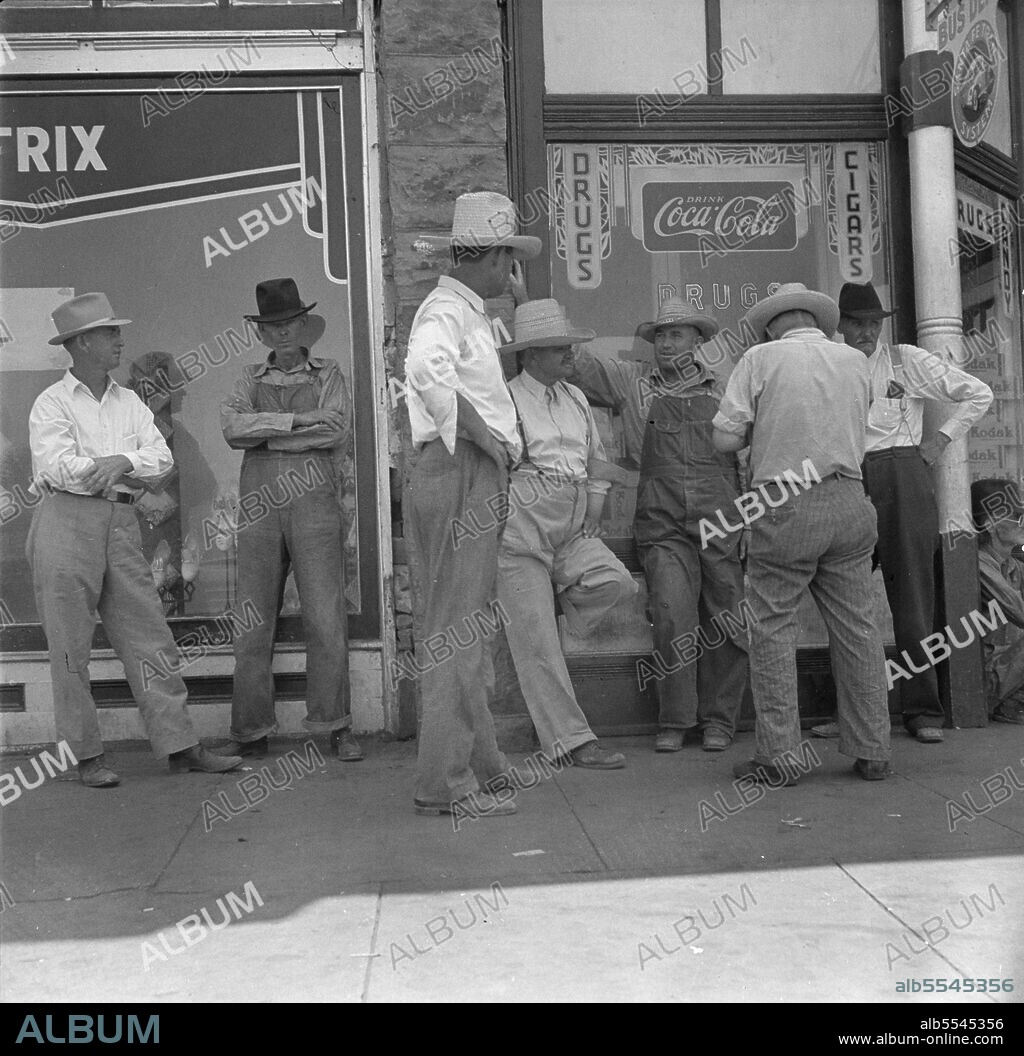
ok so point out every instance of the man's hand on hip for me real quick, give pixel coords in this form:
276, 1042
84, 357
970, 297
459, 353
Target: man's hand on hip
931, 449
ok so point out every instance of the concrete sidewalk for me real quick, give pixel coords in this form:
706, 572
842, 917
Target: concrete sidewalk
602, 887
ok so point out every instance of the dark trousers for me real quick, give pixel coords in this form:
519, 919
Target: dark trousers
899, 484
457, 746
303, 531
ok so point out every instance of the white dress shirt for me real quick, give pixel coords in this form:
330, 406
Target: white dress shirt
451, 349
68, 428
559, 428
897, 422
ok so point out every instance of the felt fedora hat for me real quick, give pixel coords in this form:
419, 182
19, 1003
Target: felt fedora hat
791, 297
277, 300
544, 324
87, 312
676, 312
860, 301
483, 219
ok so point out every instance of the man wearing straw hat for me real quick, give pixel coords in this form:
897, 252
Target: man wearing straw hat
292, 416
801, 402
463, 426
93, 444
666, 410
555, 503
898, 480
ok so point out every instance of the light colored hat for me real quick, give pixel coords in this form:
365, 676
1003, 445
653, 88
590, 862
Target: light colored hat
87, 312
483, 219
791, 297
544, 324
676, 311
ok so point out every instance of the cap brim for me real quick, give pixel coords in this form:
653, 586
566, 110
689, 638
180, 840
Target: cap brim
61, 338
707, 327
574, 337
524, 247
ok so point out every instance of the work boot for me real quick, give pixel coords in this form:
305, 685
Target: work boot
477, 804
94, 773
826, 729
716, 740
668, 740
240, 748
199, 759
345, 746
929, 734
591, 756
872, 769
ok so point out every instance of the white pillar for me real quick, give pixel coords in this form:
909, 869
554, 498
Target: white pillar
937, 273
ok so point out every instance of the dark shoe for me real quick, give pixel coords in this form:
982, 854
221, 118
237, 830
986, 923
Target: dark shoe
591, 756
826, 729
1009, 711
928, 734
669, 741
872, 769
240, 748
479, 804
716, 740
94, 773
765, 773
198, 758
345, 746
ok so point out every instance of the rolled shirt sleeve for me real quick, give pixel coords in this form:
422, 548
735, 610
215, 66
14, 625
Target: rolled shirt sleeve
152, 458
334, 396
929, 376
53, 438
737, 409
430, 369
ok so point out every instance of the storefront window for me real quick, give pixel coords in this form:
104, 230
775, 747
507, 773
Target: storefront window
104, 192
605, 46
803, 46
988, 227
721, 225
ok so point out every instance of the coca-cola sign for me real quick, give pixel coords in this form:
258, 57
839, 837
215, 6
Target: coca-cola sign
709, 217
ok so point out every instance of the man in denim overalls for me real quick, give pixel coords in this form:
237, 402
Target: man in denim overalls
694, 590
292, 416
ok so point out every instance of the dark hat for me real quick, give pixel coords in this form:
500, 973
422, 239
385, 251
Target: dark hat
860, 301
278, 300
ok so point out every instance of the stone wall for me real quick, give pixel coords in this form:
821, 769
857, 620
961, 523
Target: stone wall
443, 115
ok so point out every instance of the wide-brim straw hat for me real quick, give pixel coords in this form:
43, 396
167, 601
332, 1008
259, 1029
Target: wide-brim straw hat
86, 312
859, 300
677, 312
791, 297
544, 324
483, 220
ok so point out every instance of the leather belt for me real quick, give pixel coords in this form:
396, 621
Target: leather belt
120, 496
893, 452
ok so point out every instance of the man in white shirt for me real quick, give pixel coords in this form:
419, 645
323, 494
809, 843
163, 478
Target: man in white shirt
899, 482
463, 426
555, 504
93, 443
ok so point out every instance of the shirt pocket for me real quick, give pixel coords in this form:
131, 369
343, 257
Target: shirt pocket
886, 413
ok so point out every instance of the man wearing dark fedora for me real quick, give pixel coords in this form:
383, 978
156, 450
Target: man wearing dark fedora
556, 498
463, 429
94, 443
801, 402
666, 409
898, 480
292, 416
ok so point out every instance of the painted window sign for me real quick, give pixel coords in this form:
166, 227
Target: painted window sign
176, 206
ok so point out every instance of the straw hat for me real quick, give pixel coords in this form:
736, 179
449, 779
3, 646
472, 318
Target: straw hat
483, 219
87, 312
675, 311
791, 297
544, 324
